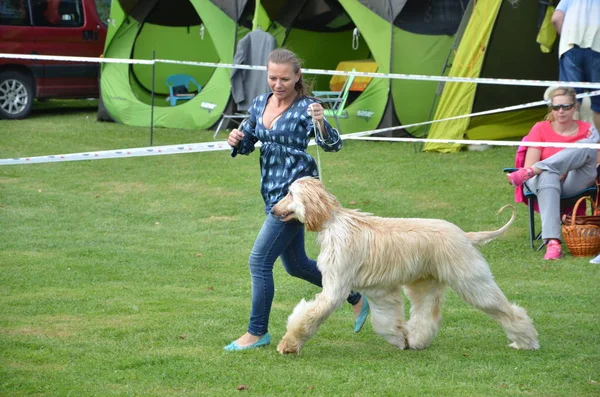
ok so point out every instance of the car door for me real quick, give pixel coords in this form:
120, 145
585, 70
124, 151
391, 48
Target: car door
69, 28
17, 36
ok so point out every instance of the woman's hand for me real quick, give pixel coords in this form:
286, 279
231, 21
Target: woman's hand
316, 111
235, 137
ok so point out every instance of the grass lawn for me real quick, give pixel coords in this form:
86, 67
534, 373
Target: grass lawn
127, 277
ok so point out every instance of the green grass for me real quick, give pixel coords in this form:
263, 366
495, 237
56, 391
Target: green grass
127, 277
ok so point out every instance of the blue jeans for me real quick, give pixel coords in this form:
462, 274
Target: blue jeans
581, 64
285, 240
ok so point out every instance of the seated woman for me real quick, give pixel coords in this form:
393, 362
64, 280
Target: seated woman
553, 171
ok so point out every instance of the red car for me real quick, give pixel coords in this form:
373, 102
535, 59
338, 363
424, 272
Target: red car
49, 27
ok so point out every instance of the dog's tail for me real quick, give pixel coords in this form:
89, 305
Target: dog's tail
481, 238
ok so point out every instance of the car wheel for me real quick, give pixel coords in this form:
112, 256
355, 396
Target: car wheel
16, 95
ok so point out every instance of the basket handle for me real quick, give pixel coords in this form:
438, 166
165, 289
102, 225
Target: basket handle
577, 205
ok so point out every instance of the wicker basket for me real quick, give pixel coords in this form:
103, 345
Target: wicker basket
582, 239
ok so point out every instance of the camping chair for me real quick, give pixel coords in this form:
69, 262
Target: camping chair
235, 117
566, 206
336, 100
179, 88
523, 194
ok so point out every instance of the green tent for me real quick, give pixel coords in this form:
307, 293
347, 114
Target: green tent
399, 36
180, 30
467, 38
322, 34
499, 41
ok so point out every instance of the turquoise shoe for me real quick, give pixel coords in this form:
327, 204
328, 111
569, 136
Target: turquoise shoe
362, 316
264, 341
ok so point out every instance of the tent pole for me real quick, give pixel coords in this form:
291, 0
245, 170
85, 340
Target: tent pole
152, 97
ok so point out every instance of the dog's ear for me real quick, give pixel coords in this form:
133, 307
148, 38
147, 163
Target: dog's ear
318, 204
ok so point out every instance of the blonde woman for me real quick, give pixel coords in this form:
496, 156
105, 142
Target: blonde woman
550, 172
283, 121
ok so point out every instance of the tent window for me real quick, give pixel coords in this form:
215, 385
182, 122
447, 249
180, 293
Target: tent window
247, 16
173, 13
431, 17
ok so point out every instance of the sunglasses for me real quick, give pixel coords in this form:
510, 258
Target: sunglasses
564, 106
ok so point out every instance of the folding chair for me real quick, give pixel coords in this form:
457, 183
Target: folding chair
566, 206
236, 117
566, 203
181, 88
335, 101
524, 195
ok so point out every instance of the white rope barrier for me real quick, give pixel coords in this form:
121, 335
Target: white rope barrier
482, 113
362, 135
480, 142
222, 146
217, 146
121, 153
479, 80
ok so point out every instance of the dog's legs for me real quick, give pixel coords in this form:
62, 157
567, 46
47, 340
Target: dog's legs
426, 297
480, 290
387, 316
306, 319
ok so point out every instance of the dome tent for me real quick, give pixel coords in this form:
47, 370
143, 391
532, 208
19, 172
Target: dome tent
321, 33
181, 30
499, 41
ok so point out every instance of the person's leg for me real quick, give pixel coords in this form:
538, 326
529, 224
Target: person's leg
578, 164
592, 63
571, 67
273, 238
565, 161
547, 189
298, 264
582, 177
295, 261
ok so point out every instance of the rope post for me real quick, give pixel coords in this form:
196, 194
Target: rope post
152, 97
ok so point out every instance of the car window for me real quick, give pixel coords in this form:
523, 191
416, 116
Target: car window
14, 12
58, 13
103, 8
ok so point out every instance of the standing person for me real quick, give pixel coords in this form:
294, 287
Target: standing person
550, 172
578, 24
282, 122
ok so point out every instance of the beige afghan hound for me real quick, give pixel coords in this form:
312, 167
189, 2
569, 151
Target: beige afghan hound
380, 256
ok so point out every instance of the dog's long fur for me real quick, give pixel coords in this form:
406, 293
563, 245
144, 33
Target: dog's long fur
380, 256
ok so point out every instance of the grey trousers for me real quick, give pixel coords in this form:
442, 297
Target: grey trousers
580, 167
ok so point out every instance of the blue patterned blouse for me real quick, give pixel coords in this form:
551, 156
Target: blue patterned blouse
283, 156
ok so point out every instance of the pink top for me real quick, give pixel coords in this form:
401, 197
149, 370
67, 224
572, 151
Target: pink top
543, 132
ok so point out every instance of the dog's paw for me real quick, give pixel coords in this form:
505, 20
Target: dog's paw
521, 346
285, 347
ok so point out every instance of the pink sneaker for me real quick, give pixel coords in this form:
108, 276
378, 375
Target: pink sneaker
521, 175
553, 250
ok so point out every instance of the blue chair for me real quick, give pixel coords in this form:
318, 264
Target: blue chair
181, 88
